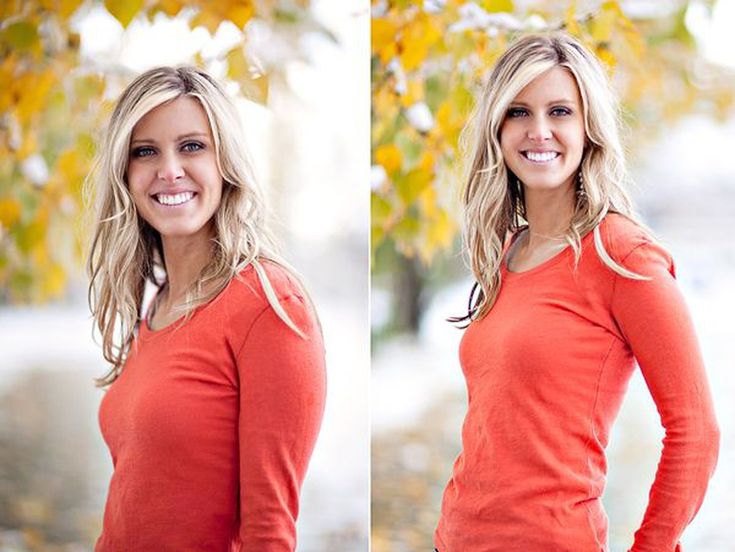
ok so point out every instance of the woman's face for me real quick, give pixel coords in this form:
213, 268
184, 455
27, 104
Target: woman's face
172, 169
542, 136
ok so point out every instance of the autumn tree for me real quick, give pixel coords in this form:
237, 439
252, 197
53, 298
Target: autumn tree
52, 102
429, 61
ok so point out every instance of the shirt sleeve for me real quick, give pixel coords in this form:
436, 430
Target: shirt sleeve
282, 395
655, 321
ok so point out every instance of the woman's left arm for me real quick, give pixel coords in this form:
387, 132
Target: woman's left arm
655, 321
282, 395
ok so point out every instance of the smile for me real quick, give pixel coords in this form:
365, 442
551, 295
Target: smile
540, 157
173, 200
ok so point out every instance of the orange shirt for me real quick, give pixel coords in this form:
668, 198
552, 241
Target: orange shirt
212, 423
546, 372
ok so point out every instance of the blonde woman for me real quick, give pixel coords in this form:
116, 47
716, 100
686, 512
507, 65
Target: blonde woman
571, 290
215, 393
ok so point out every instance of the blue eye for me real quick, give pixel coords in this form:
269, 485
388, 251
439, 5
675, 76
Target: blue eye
561, 111
144, 151
516, 112
192, 147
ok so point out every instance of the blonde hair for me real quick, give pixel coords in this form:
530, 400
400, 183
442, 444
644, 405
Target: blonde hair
124, 248
493, 204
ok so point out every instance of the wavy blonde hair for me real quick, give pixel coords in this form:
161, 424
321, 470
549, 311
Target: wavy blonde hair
493, 204
124, 248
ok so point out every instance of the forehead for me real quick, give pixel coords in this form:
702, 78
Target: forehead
184, 115
553, 84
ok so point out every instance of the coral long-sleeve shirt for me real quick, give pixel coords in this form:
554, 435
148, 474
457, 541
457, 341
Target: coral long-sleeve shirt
546, 372
211, 425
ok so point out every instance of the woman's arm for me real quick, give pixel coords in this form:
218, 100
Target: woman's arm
655, 321
282, 393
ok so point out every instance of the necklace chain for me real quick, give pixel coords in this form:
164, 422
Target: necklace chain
554, 238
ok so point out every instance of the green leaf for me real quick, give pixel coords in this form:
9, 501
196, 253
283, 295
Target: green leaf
21, 35
380, 209
407, 229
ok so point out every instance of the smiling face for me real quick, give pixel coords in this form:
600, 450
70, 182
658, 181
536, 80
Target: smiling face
542, 137
172, 170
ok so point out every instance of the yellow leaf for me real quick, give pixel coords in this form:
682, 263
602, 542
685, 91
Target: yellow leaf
32, 235
237, 66
255, 87
443, 117
441, 230
602, 25
496, 6
33, 90
54, 280
240, 13
9, 212
207, 19
170, 7
68, 7
416, 40
570, 20
414, 93
428, 202
124, 10
426, 162
383, 38
606, 56
28, 145
412, 184
389, 156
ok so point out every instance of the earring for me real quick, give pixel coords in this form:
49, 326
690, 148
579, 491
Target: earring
581, 192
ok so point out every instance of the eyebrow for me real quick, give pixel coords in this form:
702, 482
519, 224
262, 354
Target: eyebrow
553, 102
178, 138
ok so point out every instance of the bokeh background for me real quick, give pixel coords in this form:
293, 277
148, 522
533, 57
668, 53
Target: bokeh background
303, 67
673, 64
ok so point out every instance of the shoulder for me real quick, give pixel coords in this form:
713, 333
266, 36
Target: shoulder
255, 282
620, 235
266, 293
633, 246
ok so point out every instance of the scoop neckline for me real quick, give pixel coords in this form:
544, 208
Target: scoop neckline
146, 332
551, 261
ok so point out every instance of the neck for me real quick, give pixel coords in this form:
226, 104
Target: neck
548, 213
184, 258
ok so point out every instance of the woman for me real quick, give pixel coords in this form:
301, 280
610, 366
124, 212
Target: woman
571, 288
216, 393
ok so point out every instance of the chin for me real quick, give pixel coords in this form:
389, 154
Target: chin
171, 231
544, 183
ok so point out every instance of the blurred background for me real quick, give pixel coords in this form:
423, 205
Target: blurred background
303, 67
673, 64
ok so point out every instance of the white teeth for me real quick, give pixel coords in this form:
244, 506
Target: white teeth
176, 199
541, 157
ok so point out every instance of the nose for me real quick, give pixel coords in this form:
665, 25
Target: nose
170, 168
539, 130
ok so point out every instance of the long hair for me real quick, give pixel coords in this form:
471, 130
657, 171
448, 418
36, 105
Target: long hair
124, 248
493, 203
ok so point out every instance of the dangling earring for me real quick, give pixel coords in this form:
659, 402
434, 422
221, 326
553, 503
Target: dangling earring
581, 193
521, 205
